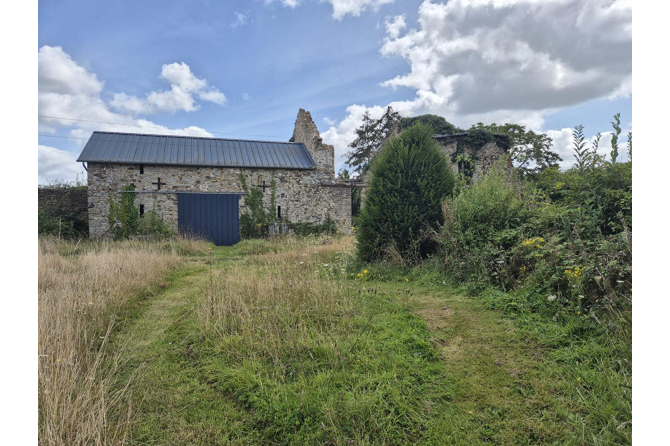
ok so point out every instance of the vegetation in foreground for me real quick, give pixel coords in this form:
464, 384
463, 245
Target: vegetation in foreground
289, 341
84, 290
555, 252
295, 341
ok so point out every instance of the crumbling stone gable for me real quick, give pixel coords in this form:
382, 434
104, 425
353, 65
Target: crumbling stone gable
306, 132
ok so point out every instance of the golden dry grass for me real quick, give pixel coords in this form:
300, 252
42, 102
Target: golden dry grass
81, 287
285, 295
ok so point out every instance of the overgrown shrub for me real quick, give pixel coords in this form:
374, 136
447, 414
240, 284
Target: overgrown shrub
255, 218
408, 183
64, 226
328, 227
125, 221
481, 224
566, 240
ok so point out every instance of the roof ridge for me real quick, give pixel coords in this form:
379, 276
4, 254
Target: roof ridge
195, 137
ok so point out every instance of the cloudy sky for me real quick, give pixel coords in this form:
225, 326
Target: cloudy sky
241, 69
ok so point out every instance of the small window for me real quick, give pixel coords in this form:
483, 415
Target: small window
141, 169
278, 212
141, 210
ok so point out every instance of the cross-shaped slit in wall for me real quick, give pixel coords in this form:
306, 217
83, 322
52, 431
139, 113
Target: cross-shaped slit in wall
159, 183
263, 186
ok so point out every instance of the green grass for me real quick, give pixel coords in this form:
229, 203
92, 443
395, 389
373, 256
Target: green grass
392, 362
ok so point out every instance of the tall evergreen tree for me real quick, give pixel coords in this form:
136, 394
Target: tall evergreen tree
370, 137
409, 180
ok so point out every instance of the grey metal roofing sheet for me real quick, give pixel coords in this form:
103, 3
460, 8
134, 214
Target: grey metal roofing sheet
133, 148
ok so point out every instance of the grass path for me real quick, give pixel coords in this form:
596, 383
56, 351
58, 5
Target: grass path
501, 387
171, 403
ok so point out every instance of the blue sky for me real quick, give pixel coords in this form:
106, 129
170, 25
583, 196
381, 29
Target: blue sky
241, 69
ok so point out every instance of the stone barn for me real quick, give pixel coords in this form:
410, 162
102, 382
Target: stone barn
194, 182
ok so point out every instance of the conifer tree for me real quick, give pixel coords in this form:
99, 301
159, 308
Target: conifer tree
370, 137
409, 180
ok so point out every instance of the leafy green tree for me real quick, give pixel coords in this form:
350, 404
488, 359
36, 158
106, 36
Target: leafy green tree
409, 180
530, 152
438, 124
370, 137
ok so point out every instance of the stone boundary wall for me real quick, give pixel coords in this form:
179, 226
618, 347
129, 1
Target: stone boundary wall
61, 202
299, 193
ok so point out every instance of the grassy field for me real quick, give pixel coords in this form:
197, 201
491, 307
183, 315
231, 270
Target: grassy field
289, 342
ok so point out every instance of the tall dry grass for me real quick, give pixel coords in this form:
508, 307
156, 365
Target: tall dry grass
81, 288
286, 300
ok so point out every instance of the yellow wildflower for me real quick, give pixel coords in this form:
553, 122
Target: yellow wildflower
406, 279
365, 271
536, 242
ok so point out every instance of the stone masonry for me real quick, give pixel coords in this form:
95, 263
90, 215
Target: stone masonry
483, 158
303, 195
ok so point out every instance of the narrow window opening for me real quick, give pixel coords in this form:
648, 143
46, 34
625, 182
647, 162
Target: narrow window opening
141, 210
278, 212
141, 169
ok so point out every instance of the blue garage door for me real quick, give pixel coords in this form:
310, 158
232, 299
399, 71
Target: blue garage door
215, 217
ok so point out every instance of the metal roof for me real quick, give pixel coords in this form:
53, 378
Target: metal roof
133, 148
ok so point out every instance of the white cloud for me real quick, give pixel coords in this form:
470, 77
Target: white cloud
59, 74
289, 3
57, 165
395, 25
486, 56
341, 7
184, 88
505, 61
240, 19
355, 7
245, 96
69, 96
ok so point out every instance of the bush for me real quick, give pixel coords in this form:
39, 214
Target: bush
328, 227
255, 219
408, 183
126, 222
481, 223
64, 226
566, 240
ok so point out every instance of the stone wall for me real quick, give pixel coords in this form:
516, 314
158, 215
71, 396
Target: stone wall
483, 158
299, 192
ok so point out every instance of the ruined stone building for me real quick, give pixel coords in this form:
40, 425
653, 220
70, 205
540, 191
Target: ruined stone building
471, 161
193, 183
